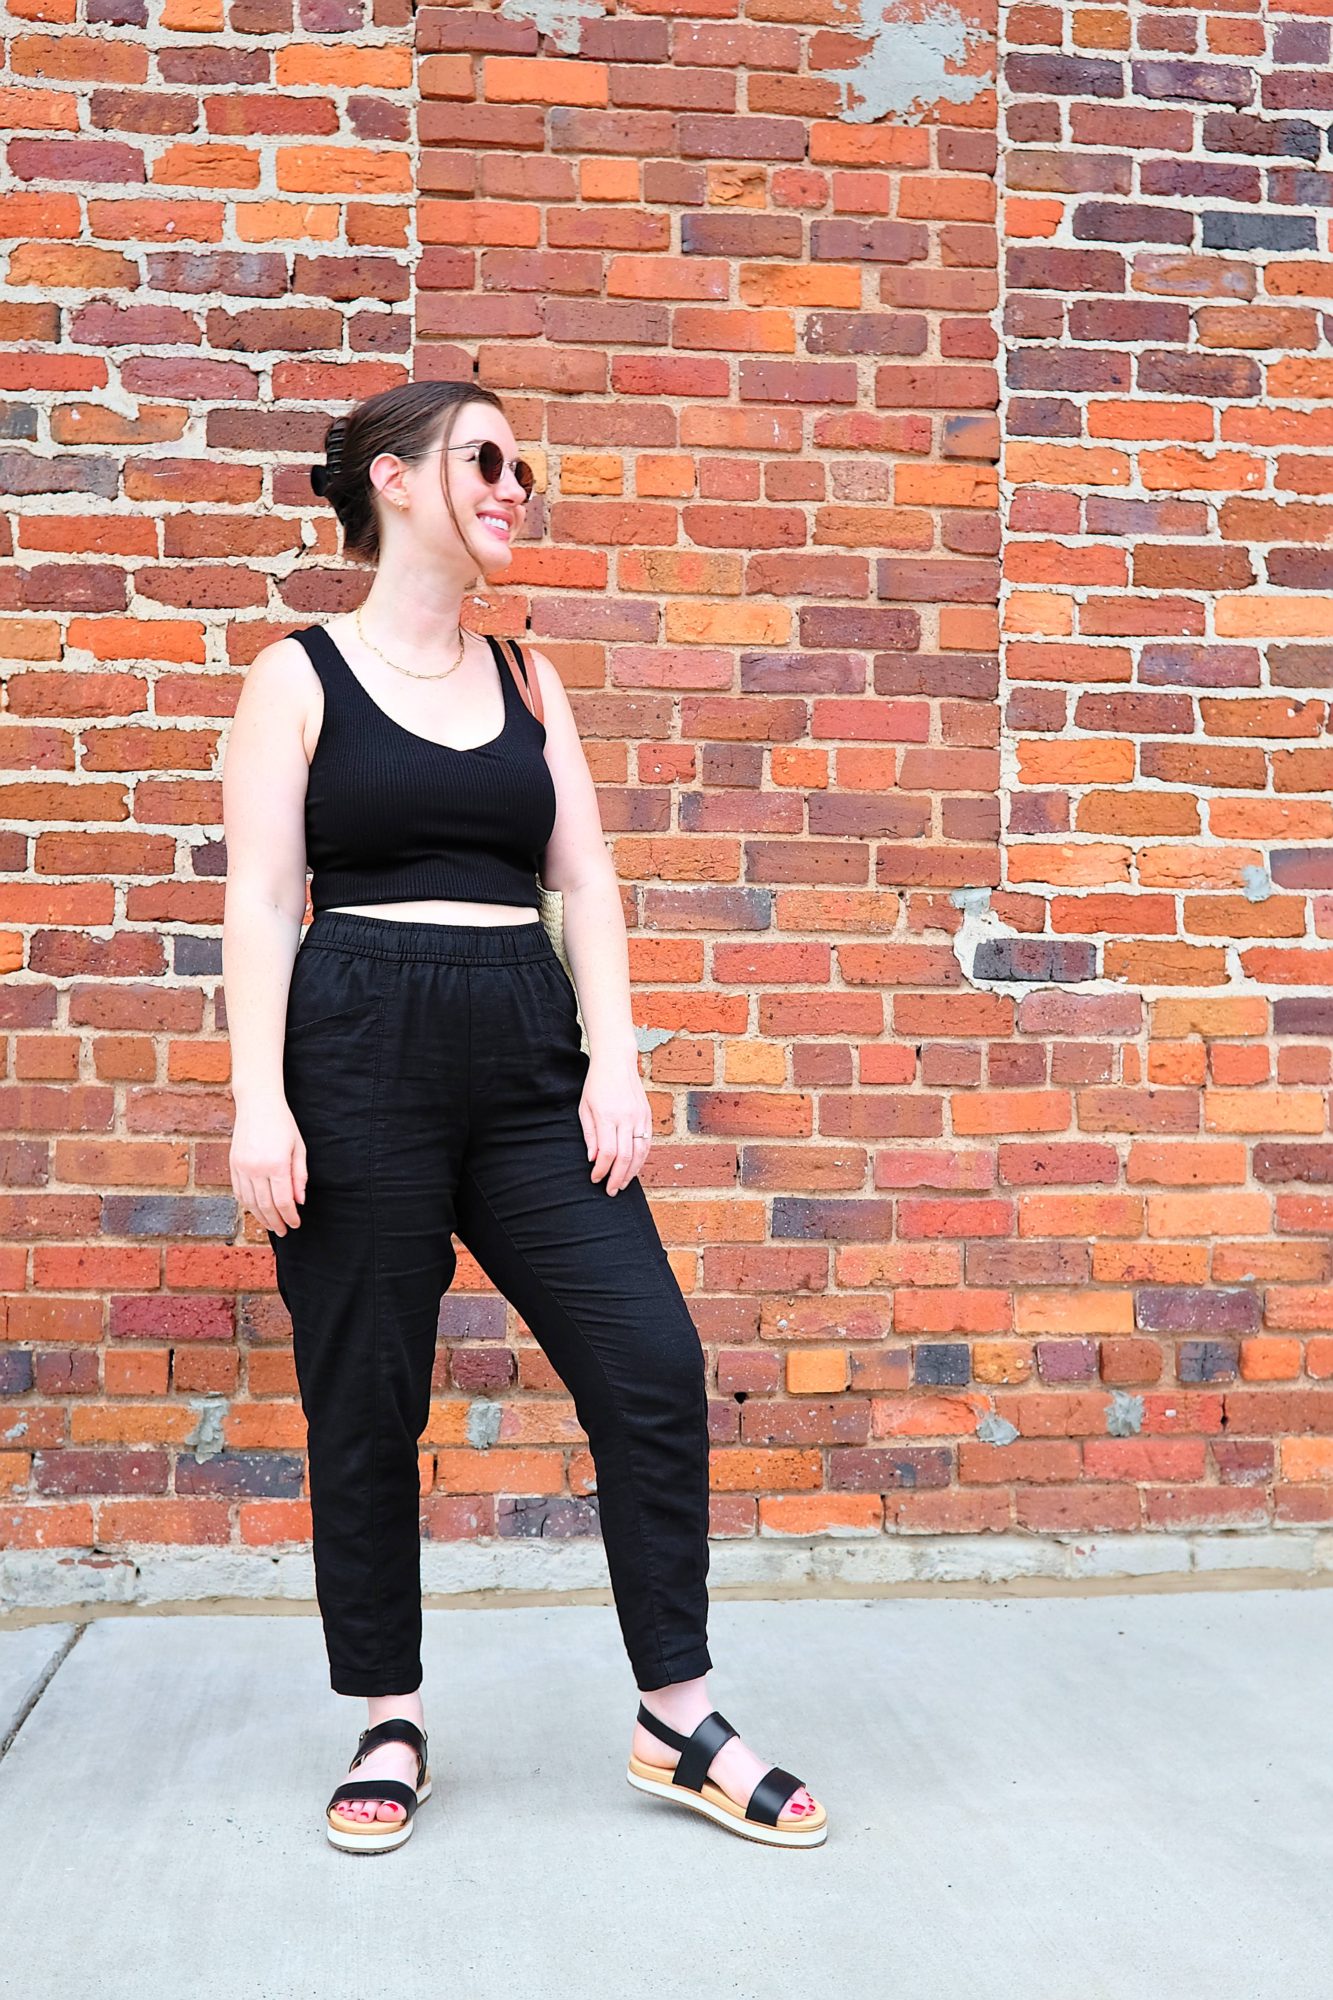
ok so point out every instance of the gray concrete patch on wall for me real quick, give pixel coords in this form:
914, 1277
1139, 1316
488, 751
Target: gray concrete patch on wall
908, 65
559, 20
779, 1565
906, 68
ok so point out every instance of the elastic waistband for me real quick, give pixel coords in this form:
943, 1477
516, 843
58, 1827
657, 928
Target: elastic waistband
443, 944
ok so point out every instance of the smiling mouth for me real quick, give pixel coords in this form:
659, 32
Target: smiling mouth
498, 524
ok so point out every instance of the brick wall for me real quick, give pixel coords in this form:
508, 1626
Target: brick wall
983, 994
757, 345
1167, 673
207, 225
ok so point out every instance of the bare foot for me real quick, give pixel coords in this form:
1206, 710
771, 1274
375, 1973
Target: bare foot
389, 1760
735, 1769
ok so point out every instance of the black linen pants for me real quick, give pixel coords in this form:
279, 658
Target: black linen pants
434, 1071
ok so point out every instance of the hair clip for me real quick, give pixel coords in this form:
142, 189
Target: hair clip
322, 476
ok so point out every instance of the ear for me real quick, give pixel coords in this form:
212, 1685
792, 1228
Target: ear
385, 473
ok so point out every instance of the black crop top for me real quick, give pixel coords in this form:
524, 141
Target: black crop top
391, 816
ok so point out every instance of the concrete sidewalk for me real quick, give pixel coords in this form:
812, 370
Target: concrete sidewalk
1105, 1798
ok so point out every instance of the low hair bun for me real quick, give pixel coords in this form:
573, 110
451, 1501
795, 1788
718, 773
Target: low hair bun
323, 476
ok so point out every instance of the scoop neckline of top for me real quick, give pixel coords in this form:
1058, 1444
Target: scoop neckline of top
454, 751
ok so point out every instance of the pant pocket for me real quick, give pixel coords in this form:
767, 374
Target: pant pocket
339, 1020
328, 986
330, 1072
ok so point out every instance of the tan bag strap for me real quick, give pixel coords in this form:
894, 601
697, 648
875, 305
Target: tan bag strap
525, 682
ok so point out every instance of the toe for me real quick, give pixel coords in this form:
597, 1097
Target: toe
799, 1807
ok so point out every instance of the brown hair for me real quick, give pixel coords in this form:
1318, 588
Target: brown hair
402, 420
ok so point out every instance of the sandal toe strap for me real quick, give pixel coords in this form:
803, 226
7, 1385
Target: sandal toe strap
770, 1795
392, 1789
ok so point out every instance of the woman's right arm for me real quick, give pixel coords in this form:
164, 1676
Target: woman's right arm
265, 771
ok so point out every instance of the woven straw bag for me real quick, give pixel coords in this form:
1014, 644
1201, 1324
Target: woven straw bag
550, 902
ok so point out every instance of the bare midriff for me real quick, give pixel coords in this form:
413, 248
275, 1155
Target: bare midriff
440, 911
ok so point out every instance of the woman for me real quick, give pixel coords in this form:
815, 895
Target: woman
414, 1071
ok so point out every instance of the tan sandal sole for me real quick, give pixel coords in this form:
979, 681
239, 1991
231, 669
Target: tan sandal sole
357, 1836
714, 1804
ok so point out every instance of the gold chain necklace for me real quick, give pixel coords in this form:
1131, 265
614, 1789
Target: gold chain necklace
462, 643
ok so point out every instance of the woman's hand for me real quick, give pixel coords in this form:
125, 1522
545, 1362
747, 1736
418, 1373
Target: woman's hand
268, 1164
613, 1110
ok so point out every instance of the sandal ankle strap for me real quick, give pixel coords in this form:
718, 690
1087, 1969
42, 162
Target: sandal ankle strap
662, 1730
394, 1729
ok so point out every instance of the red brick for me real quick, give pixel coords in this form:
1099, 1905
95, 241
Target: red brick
1078, 1510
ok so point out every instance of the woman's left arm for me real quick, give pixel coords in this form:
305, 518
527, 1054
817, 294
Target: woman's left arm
614, 1109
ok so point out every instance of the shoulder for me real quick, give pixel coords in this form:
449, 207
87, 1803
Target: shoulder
281, 660
552, 687
281, 680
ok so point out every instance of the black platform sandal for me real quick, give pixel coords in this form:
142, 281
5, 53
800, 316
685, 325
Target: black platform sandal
375, 1836
688, 1785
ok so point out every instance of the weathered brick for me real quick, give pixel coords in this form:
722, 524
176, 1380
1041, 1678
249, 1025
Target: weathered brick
274, 1474
1035, 959
1207, 1360
885, 1469
559, 1517
1180, 1309
1067, 1360
941, 1363
16, 1371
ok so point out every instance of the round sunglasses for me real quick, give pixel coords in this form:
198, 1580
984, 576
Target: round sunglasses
491, 464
